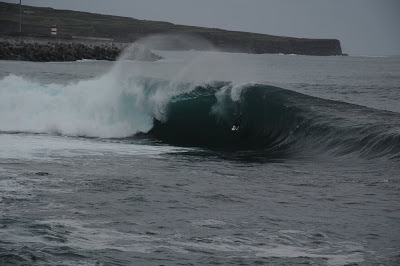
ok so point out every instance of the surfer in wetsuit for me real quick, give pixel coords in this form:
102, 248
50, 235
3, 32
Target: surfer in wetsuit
236, 124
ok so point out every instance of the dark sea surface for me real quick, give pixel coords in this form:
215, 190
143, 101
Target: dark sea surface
135, 163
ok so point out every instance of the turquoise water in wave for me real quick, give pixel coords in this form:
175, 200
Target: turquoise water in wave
134, 163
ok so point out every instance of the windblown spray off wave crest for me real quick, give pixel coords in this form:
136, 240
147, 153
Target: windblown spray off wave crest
190, 114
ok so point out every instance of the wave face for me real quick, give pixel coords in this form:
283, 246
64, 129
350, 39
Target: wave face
277, 121
204, 117
274, 120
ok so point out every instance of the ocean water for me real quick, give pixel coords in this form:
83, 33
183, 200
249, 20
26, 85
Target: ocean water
135, 163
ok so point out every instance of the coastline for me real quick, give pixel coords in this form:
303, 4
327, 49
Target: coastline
118, 29
48, 49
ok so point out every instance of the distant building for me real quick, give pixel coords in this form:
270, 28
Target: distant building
54, 29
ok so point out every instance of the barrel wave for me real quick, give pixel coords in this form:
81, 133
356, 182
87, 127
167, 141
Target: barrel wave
205, 115
277, 121
274, 120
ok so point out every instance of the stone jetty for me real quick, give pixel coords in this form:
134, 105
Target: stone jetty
47, 51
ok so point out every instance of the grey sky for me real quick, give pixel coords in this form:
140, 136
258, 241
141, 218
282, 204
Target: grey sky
370, 27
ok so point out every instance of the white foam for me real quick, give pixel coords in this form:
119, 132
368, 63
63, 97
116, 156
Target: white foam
42, 147
208, 222
87, 237
97, 107
287, 251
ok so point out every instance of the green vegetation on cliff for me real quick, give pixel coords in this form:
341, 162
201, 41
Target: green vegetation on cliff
37, 21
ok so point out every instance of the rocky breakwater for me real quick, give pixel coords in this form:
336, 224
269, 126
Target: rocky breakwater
70, 51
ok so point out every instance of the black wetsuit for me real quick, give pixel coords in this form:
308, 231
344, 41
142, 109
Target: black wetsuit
236, 124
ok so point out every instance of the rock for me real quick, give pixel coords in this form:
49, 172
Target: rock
49, 51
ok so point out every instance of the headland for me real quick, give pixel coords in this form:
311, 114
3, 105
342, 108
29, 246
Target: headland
97, 36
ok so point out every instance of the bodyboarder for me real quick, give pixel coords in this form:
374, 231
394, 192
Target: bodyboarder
237, 120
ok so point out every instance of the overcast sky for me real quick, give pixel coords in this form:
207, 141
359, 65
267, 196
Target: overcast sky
366, 27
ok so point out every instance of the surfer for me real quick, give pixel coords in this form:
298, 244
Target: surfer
236, 124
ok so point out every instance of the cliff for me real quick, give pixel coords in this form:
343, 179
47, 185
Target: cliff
37, 21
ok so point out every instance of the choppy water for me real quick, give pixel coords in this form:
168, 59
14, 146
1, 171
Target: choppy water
134, 163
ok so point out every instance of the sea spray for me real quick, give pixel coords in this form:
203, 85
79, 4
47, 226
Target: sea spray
94, 107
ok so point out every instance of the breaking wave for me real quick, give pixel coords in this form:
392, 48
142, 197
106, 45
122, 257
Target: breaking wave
277, 120
200, 115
